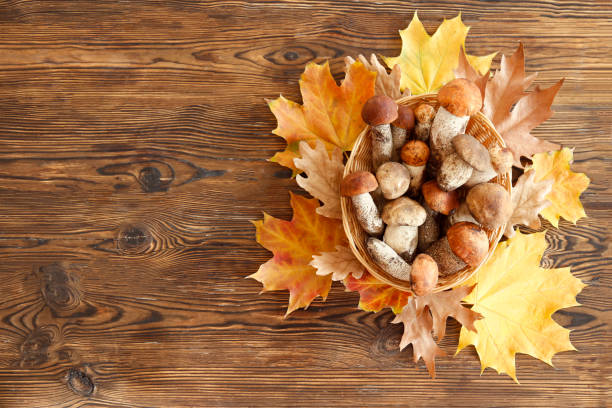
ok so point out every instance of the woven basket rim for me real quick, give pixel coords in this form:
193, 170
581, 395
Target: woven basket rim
346, 205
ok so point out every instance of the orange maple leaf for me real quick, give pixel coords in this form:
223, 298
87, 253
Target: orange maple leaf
375, 295
293, 244
330, 113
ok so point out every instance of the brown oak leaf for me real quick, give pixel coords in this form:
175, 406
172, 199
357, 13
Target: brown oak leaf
386, 83
324, 176
340, 264
528, 200
465, 70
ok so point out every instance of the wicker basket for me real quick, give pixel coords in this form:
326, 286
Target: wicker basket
482, 129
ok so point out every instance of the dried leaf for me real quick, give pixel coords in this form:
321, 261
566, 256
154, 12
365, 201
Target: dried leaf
567, 187
427, 62
330, 113
340, 264
517, 299
465, 70
528, 200
324, 176
386, 83
293, 244
375, 295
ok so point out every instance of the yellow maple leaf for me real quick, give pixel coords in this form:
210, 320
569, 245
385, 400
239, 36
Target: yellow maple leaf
427, 62
567, 187
293, 244
517, 298
330, 113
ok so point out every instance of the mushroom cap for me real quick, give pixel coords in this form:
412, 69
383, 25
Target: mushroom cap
439, 200
501, 159
460, 97
403, 211
393, 179
356, 183
415, 153
490, 204
424, 113
424, 274
469, 242
405, 117
472, 151
379, 110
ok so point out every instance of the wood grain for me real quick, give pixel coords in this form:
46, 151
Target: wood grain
133, 146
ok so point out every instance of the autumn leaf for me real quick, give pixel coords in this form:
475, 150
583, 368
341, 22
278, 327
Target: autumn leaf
375, 295
324, 176
293, 244
567, 187
517, 299
427, 62
330, 113
339, 264
465, 70
386, 83
424, 313
528, 200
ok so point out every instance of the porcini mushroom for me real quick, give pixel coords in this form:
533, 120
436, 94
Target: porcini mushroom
403, 217
378, 112
464, 244
358, 186
501, 160
462, 213
388, 259
401, 127
424, 115
415, 154
439, 200
490, 204
429, 231
459, 99
393, 179
468, 155
424, 274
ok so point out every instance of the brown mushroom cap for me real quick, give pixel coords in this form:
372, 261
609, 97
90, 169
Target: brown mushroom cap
424, 274
472, 151
424, 113
356, 183
379, 110
439, 200
405, 117
403, 211
501, 159
415, 153
469, 242
460, 97
490, 204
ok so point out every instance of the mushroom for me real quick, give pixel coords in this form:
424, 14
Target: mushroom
400, 128
415, 154
490, 204
462, 213
459, 99
358, 186
500, 163
388, 259
424, 274
424, 115
469, 155
403, 216
429, 231
393, 179
378, 112
439, 200
464, 244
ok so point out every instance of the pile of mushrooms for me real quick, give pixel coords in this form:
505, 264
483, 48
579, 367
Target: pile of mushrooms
429, 202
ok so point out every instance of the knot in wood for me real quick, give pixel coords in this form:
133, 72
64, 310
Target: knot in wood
134, 238
59, 289
35, 347
79, 382
150, 180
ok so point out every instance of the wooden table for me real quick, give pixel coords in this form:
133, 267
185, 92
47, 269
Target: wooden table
134, 138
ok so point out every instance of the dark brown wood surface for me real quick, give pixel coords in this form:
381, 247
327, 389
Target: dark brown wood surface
133, 146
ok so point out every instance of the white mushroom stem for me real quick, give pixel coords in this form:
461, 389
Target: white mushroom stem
462, 213
417, 175
422, 130
382, 145
367, 214
402, 239
398, 136
388, 259
445, 126
478, 177
379, 199
429, 231
453, 172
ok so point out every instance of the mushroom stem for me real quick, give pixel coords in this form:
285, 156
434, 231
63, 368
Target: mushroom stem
402, 239
398, 136
453, 173
382, 144
367, 214
448, 262
501, 162
429, 231
424, 115
388, 259
444, 128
